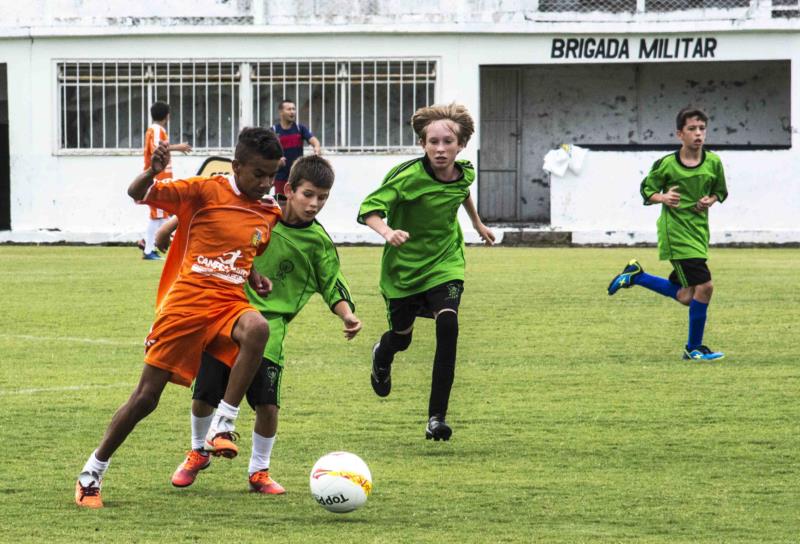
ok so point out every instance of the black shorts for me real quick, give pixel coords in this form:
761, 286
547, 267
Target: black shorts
403, 311
212, 379
689, 272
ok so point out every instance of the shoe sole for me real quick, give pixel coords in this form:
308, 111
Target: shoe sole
444, 436
225, 452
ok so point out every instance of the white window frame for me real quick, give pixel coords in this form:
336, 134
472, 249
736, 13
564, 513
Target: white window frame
248, 80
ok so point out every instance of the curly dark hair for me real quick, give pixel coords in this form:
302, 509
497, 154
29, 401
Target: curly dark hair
257, 141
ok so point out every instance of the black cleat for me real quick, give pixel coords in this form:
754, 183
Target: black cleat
437, 429
381, 377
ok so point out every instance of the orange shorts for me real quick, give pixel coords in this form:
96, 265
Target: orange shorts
177, 339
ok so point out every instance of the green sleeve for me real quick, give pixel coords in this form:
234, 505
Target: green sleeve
380, 201
653, 183
719, 187
331, 284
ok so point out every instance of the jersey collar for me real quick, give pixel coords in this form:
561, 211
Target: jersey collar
698, 165
429, 169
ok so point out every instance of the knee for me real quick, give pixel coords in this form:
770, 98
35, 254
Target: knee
685, 295
145, 400
704, 291
401, 341
447, 324
266, 412
252, 330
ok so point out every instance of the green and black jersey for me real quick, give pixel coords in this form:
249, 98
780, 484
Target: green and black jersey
301, 260
683, 232
413, 200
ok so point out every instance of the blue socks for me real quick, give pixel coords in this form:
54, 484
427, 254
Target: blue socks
662, 286
697, 324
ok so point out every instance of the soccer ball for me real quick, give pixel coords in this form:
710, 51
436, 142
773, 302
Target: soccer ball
340, 482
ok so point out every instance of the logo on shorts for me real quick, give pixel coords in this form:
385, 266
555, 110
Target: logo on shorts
272, 376
452, 292
286, 267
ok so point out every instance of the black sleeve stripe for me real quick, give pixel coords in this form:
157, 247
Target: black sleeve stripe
398, 169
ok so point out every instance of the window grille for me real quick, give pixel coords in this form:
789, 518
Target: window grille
350, 105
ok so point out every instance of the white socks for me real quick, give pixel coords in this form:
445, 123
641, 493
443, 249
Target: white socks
95, 465
262, 450
223, 420
150, 236
200, 426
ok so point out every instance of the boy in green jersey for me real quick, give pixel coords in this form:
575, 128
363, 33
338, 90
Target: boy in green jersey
301, 260
422, 269
686, 183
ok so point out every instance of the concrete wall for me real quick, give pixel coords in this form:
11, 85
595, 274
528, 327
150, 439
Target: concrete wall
83, 197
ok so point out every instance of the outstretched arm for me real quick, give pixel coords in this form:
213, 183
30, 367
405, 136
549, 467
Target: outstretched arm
351, 323
484, 232
393, 237
183, 147
139, 186
315, 144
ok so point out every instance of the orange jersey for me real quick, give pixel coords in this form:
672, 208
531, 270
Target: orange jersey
155, 134
201, 294
220, 231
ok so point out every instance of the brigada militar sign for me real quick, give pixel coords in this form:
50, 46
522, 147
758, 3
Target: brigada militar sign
633, 48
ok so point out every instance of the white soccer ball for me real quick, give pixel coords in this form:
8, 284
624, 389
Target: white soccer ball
340, 482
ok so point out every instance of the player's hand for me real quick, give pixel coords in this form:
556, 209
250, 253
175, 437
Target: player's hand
396, 238
486, 234
351, 326
671, 198
260, 284
160, 158
163, 240
183, 147
705, 203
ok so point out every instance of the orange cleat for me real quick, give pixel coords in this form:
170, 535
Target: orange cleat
222, 445
260, 482
186, 473
87, 490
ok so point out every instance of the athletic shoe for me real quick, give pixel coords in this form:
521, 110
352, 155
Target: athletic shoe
381, 377
222, 444
624, 280
702, 353
438, 429
140, 244
152, 256
186, 472
87, 490
260, 482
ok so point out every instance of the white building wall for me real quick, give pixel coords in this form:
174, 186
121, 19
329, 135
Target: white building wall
57, 196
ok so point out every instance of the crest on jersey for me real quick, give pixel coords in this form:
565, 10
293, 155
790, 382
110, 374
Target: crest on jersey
257, 238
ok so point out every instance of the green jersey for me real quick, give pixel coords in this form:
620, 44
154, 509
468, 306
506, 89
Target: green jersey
413, 200
682, 231
301, 260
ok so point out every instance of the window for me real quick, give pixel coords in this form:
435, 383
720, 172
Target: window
350, 105
354, 105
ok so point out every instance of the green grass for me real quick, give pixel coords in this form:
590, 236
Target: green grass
575, 420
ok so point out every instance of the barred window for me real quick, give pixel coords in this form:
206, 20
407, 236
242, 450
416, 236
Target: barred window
106, 104
353, 105
350, 105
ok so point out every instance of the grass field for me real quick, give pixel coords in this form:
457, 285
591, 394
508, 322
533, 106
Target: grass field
575, 420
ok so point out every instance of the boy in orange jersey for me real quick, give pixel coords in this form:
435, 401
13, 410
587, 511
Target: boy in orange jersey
157, 132
223, 225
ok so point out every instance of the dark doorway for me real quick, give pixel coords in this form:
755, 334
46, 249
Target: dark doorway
5, 158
